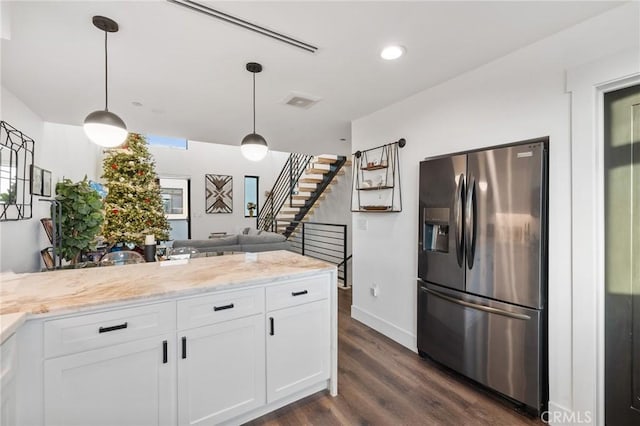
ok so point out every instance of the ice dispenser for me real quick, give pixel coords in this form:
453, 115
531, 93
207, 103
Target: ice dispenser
435, 230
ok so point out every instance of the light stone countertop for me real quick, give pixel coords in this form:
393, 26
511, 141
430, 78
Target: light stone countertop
9, 323
77, 290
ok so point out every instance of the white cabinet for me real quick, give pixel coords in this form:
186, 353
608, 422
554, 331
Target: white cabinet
298, 342
8, 367
221, 371
222, 357
127, 384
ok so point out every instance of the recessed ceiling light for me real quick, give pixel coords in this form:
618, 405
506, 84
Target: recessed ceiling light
343, 139
136, 103
392, 52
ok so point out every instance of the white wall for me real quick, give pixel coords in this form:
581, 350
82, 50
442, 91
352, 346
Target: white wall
517, 97
62, 149
205, 158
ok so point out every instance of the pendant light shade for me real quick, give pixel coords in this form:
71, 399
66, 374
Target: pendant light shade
254, 146
103, 127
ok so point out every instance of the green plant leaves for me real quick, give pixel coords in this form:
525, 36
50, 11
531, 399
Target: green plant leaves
81, 217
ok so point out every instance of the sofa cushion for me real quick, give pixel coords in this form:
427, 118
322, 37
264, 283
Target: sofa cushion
282, 245
264, 237
230, 240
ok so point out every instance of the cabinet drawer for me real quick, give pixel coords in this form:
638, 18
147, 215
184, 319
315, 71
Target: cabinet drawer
297, 292
213, 308
83, 332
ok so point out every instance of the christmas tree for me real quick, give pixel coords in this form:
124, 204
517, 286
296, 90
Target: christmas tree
133, 206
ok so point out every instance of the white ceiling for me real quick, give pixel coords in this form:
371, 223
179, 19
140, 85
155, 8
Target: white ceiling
188, 70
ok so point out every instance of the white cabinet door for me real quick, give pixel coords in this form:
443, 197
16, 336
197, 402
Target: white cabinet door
298, 346
125, 384
221, 371
8, 367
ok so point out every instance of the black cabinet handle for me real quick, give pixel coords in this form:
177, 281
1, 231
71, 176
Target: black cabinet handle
222, 308
184, 347
299, 293
165, 355
112, 328
271, 327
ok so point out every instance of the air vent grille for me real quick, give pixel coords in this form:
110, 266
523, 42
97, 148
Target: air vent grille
301, 101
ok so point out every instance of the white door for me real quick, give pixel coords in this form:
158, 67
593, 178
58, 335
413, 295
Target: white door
297, 348
125, 384
221, 371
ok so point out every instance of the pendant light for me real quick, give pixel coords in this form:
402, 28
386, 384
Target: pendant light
253, 146
103, 127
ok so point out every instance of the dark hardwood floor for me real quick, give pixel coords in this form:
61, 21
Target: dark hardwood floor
382, 383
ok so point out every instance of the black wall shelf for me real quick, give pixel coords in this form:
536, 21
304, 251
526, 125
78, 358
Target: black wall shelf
380, 192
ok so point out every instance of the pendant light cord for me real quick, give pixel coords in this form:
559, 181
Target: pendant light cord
106, 75
254, 102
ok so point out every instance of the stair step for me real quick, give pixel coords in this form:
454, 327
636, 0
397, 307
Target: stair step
307, 185
326, 159
290, 209
315, 178
285, 216
319, 168
301, 196
348, 163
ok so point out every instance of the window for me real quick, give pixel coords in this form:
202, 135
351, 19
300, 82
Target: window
166, 142
251, 196
175, 197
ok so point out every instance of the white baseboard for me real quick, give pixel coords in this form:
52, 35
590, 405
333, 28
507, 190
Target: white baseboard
557, 415
392, 331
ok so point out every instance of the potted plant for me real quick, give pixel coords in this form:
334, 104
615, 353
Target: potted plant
251, 207
81, 217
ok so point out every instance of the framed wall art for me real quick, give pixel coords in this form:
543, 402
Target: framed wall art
36, 180
218, 193
46, 183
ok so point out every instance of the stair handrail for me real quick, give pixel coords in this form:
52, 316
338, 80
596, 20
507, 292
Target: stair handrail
317, 193
283, 189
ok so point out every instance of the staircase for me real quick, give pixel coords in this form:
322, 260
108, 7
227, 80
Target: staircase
302, 182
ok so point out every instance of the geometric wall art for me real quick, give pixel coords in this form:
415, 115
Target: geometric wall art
218, 193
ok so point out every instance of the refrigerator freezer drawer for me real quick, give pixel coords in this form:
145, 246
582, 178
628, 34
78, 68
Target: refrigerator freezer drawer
493, 343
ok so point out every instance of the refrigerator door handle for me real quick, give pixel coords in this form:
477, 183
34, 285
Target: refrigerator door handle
458, 211
476, 306
470, 223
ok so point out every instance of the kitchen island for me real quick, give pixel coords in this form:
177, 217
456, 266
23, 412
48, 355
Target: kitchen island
209, 341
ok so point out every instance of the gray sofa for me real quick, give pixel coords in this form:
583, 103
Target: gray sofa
265, 241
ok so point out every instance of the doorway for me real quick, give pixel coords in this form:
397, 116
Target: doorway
175, 194
622, 256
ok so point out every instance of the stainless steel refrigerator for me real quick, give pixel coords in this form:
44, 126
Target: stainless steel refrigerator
482, 267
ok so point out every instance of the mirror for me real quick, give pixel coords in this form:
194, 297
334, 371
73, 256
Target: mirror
16, 160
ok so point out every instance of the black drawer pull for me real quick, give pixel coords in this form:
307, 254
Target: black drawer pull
184, 347
112, 328
222, 308
165, 355
271, 328
299, 293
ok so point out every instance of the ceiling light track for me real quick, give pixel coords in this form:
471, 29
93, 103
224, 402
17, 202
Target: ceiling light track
244, 24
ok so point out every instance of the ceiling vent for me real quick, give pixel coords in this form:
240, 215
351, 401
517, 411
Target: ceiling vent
214, 13
300, 100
